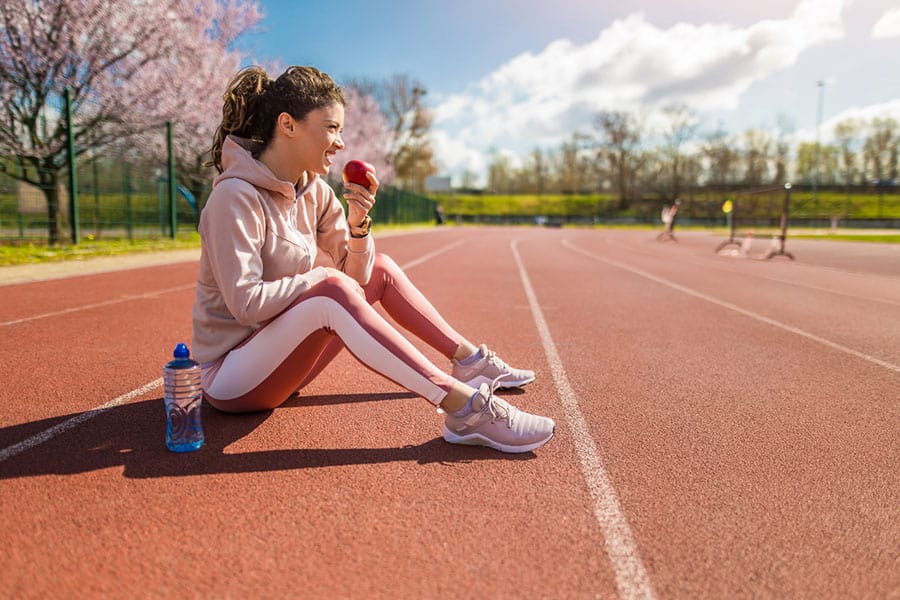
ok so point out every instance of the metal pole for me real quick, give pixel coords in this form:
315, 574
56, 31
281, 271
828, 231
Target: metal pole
126, 184
777, 249
821, 86
784, 212
173, 213
96, 185
73, 176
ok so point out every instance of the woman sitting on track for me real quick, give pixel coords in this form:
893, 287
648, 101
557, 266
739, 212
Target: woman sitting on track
269, 314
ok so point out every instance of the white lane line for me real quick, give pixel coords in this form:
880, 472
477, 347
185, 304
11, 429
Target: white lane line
631, 576
736, 308
718, 265
78, 419
73, 309
418, 261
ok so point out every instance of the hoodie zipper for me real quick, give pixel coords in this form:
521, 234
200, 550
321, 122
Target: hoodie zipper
292, 223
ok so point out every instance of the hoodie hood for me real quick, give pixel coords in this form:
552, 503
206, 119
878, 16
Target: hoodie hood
238, 163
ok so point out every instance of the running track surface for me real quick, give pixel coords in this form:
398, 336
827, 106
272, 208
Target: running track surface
727, 428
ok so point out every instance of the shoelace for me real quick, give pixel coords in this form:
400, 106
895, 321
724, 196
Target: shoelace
493, 359
495, 409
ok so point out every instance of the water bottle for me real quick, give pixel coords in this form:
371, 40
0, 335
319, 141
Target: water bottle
184, 430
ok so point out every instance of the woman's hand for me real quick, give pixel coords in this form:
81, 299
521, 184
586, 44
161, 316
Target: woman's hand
359, 199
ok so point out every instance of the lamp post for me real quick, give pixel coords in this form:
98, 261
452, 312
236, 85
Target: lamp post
821, 85
417, 93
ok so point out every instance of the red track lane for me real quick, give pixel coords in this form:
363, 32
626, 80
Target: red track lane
744, 416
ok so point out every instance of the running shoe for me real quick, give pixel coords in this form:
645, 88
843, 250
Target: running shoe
497, 424
487, 369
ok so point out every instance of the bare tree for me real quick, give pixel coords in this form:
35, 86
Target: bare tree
682, 126
500, 175
757, 146
782, 149
880, 149
573, 167
846, 134
410, 120
817, 160
619, 149
535, 173
721, 157
655, 172
467, 182
692, 170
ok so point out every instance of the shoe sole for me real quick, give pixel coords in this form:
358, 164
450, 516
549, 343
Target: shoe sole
501, 385
476, 439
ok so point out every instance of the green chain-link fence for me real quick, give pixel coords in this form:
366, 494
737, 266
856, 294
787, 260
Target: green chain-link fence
127, 199
123, 200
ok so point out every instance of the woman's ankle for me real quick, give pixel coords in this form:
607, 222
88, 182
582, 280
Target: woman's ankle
465, 350
457, 398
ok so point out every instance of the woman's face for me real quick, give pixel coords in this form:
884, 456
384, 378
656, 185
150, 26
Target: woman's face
319, 138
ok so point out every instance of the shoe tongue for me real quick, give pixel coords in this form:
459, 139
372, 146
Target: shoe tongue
479, 400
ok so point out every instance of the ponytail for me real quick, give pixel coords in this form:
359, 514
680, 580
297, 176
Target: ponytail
240, 110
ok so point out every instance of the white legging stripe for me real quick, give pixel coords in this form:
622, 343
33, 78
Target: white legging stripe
246, 367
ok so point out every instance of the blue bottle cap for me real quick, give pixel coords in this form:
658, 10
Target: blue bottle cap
182, 351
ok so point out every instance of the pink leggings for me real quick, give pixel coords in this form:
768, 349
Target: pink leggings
292, 349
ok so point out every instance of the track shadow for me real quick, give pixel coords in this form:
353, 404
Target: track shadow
132, 436
332, 399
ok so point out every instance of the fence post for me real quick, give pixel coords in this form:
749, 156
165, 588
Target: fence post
96, 185
173, 213
126, 183
73, 175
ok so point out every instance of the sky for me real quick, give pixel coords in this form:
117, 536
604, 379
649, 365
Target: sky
510, 76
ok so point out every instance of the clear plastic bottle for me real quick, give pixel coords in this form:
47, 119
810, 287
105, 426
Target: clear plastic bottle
184, 429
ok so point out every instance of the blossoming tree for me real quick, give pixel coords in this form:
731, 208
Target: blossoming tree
131, 66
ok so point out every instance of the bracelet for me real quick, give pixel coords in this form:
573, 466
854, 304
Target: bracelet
363, 228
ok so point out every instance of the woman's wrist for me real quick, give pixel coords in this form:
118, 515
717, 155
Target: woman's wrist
362, 229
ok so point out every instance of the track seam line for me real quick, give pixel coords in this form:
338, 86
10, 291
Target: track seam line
66, 311
418, 261
724, 304
78, 419
631, 575
73, 309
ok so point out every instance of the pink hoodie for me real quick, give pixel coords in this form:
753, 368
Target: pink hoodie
263, 244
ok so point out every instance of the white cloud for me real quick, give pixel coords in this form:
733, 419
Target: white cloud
861, 114
888, 26
541, 99
454, 154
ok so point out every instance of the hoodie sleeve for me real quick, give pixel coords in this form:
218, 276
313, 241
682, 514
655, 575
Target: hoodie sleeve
353, 256
233, 228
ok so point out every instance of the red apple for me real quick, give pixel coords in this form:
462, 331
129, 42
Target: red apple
355, 172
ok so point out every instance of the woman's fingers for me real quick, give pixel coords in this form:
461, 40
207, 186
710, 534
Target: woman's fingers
364, 207
373, 187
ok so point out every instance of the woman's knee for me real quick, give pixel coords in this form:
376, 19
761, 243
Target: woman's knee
384, 261
384, 267
384, 271
342, 289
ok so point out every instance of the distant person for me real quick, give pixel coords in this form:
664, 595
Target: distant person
667, 214
439, 218
287, 280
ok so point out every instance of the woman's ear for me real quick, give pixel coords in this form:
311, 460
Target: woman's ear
286, 123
